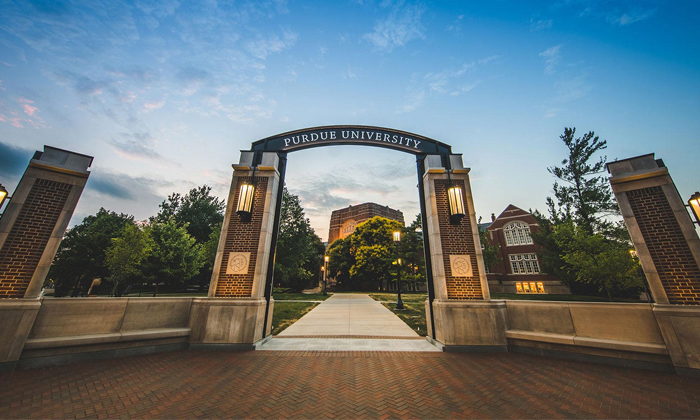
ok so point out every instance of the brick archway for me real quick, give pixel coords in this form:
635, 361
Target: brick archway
240, 304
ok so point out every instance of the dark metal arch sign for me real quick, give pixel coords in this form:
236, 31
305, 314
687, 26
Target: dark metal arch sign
336, 135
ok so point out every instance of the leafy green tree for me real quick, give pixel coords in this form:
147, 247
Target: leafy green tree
585, 194
198, 211
299, 250
175, 258
373, 241
411, 253
598, 261
341, 259
125, 256
490, 251
201, 214
81, 255
373, 264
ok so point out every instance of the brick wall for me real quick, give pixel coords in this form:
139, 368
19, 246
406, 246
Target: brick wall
456, 240
673, 259
21, 252
242, 236
359, 213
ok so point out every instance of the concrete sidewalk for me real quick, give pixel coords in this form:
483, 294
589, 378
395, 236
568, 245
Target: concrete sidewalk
350, 315
349, 322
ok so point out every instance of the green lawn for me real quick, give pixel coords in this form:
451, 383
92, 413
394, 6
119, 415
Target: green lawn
287, 313
285, 294
413, 313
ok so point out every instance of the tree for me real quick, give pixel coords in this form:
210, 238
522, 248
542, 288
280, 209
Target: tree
81, 255
125, 256
490, 251
579, 242
585, 196
373, 242
598, 261
175, 258
198, 211
201, 214
299, 250
341, 258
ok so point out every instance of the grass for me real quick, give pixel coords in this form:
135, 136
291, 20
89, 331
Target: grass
287, 313
413, 313
285, 294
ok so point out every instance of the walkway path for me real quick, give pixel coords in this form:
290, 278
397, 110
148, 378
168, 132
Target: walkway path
350, 322
344, 385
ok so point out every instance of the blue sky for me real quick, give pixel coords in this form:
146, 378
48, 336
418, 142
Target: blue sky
164, 94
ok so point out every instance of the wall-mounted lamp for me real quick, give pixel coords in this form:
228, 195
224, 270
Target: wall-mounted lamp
245, 200
694, 203
456, 201
3, 195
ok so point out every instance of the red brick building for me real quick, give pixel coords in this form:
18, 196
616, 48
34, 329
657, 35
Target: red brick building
344, 221
518, 268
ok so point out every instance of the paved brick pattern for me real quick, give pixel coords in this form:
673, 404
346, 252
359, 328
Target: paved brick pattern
673, 259
21, 252
217, 384
242, 236
456, 240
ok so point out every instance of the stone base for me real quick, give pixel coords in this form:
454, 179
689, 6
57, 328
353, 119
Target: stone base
228, 320
16, 321
680, 327
471, 325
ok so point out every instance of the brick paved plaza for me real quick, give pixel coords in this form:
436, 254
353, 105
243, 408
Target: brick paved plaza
219, 384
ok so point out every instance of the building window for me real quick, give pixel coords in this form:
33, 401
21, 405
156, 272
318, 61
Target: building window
517, 233
524, 264
530, 287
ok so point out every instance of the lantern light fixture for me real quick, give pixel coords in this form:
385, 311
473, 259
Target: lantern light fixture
3, 195
326, 258
397, 236
456, 202
245, 200
694, 203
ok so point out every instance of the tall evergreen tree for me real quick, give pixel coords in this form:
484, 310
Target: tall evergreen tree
585, 195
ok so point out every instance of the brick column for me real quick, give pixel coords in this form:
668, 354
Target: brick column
463, 312
31, 230
234, 312
668, 249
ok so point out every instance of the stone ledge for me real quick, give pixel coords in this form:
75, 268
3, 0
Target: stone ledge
81, 340
630, 346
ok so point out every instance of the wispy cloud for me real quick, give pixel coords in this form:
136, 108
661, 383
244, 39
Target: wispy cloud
572, 88
552, 58
402, 25
456, 25
122, 186
138, 146
540, 24
446, 82
262, 47
630, 17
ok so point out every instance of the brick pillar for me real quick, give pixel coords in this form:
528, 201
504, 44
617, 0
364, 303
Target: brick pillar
234, 312
31, 230
463, 312
668, 249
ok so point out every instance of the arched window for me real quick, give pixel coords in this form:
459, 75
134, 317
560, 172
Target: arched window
517, 233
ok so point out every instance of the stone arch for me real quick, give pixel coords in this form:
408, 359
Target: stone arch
239, 306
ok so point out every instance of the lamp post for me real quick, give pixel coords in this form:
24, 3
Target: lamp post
325, 270
397, 240
694, 203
